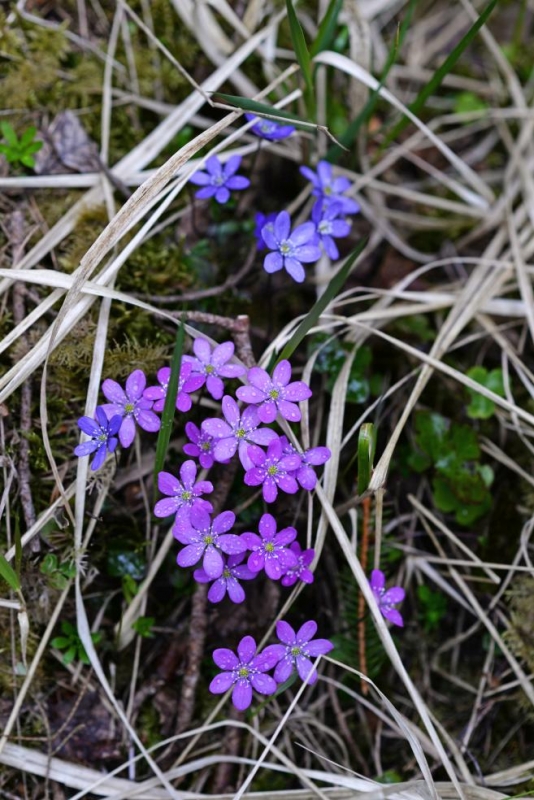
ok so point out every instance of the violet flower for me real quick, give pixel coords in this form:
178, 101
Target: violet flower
184, 494
236, 432
313, 457
269, 549
296, 649
272, 470
130, 405
201, 446
103, 436
206, 539
233, 572
300, 571
330, 189
329, 226
244, 672
291, 248
210, 365
386, 600
262, 220
187, 383
268, 129
219, 179
276, 394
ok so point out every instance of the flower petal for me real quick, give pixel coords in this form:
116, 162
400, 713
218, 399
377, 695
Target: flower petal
221, 683
263, 684
273, 262
113, 392
213, 563
285, 632
191, 554
225, 659
127, 431
217, 590
242, 694
295, 269
135, 384
246, 649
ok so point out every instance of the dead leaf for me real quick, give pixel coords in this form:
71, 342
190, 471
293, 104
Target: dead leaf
66, 144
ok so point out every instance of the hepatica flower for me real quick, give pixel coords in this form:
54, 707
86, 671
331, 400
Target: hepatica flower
300, 571
276, 394
187, 383
219, 179
296, 650
387, 600
330, 189
313, 457
183, 494
130, 405
269, 548
329, 227
207, 539
236, 432
244, 671
103, 433
291, 248
272, 470
211, 366
262, 220
200, 445
268, 129
233, 572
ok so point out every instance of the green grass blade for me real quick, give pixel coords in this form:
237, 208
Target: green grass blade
349, 135
436, 79
8, 574
167, 418
333, 288
366, 454
327, 28
259, 108
300, 47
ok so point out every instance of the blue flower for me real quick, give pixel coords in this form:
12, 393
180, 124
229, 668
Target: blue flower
267, 129
261, 221
330, 189
103, 436
329, 226
219, 179
290, 248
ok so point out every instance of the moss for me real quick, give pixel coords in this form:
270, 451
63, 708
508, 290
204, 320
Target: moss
520, 636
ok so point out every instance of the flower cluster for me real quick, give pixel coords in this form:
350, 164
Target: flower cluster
247, 670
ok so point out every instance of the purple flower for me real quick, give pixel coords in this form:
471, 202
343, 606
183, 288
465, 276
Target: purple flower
244, 672
329, 226
272, 470
262, 220
387, 599
313, 457
300, 571
103, 436
276, 394
201, 446
209, 366
237, 432
187, 383
182, 494
206, 539
267, 129
269, 549
329, 189
290, 248
296, 649
233, 572
130, 405
219, 179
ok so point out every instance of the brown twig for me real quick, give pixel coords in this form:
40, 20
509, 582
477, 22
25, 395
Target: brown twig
15, 227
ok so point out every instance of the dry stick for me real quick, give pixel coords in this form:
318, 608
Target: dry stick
364, 552
16, 233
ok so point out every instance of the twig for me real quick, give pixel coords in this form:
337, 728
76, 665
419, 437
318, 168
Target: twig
15, 228
364, 551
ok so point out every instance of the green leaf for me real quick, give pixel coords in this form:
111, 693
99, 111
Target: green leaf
481, 407
300, 46
366, 454
27, 136
468, 101
49, 564
143, 626
61, 642
327, 28
444, 498
435, 81
167, 417
28, 161
70, 654
333, 289
259, 108
8, 574
9, 134
431, 431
